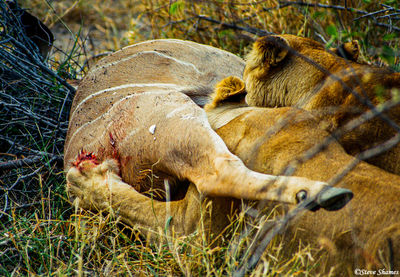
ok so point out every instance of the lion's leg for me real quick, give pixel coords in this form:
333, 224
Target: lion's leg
98, 187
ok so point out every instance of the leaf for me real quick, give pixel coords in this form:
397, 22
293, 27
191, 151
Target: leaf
388, 55
225, 33
176, 7
389, 36
332, 31
379, 92
319, 15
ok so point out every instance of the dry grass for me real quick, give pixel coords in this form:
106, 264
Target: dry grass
105, 26
45, 236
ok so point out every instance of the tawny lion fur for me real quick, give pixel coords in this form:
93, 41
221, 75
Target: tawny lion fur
268, 140
287, 70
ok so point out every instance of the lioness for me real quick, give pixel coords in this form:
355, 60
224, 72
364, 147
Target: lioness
287, 70
366, 233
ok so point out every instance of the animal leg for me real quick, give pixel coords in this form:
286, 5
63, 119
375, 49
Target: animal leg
97, 186
195, 152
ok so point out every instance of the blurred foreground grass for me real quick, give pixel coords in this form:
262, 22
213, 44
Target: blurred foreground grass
41, 234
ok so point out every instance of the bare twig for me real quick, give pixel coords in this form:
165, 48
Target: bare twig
267, 232
20, 163
29, 87
364, 100
390, 7
387, 145
371, 14
250, 30
28, 161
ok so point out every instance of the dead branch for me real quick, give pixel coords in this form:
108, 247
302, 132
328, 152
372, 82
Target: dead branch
251, 30
318, 5
28, 161
20, 163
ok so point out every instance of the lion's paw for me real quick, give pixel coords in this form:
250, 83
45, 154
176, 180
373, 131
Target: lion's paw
225, 90
348, 50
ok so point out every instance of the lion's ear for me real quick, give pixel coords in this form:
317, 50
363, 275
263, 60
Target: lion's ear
349, 50
272, 49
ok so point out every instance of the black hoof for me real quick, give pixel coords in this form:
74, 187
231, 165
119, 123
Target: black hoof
331, 199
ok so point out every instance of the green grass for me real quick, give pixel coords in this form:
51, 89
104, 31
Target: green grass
52, 237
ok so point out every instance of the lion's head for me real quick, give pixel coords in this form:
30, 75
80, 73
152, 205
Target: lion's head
284, 70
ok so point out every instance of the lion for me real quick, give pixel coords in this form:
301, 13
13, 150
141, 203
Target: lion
363, 234
366, 232
287, 70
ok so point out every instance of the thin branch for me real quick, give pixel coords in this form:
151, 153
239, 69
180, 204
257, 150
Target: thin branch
29, 161
388, 26
19, 107
233, 3
387, 145
364, 100
250, 30
371, 14
267, 232
43, 67
390, 7
318, 5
